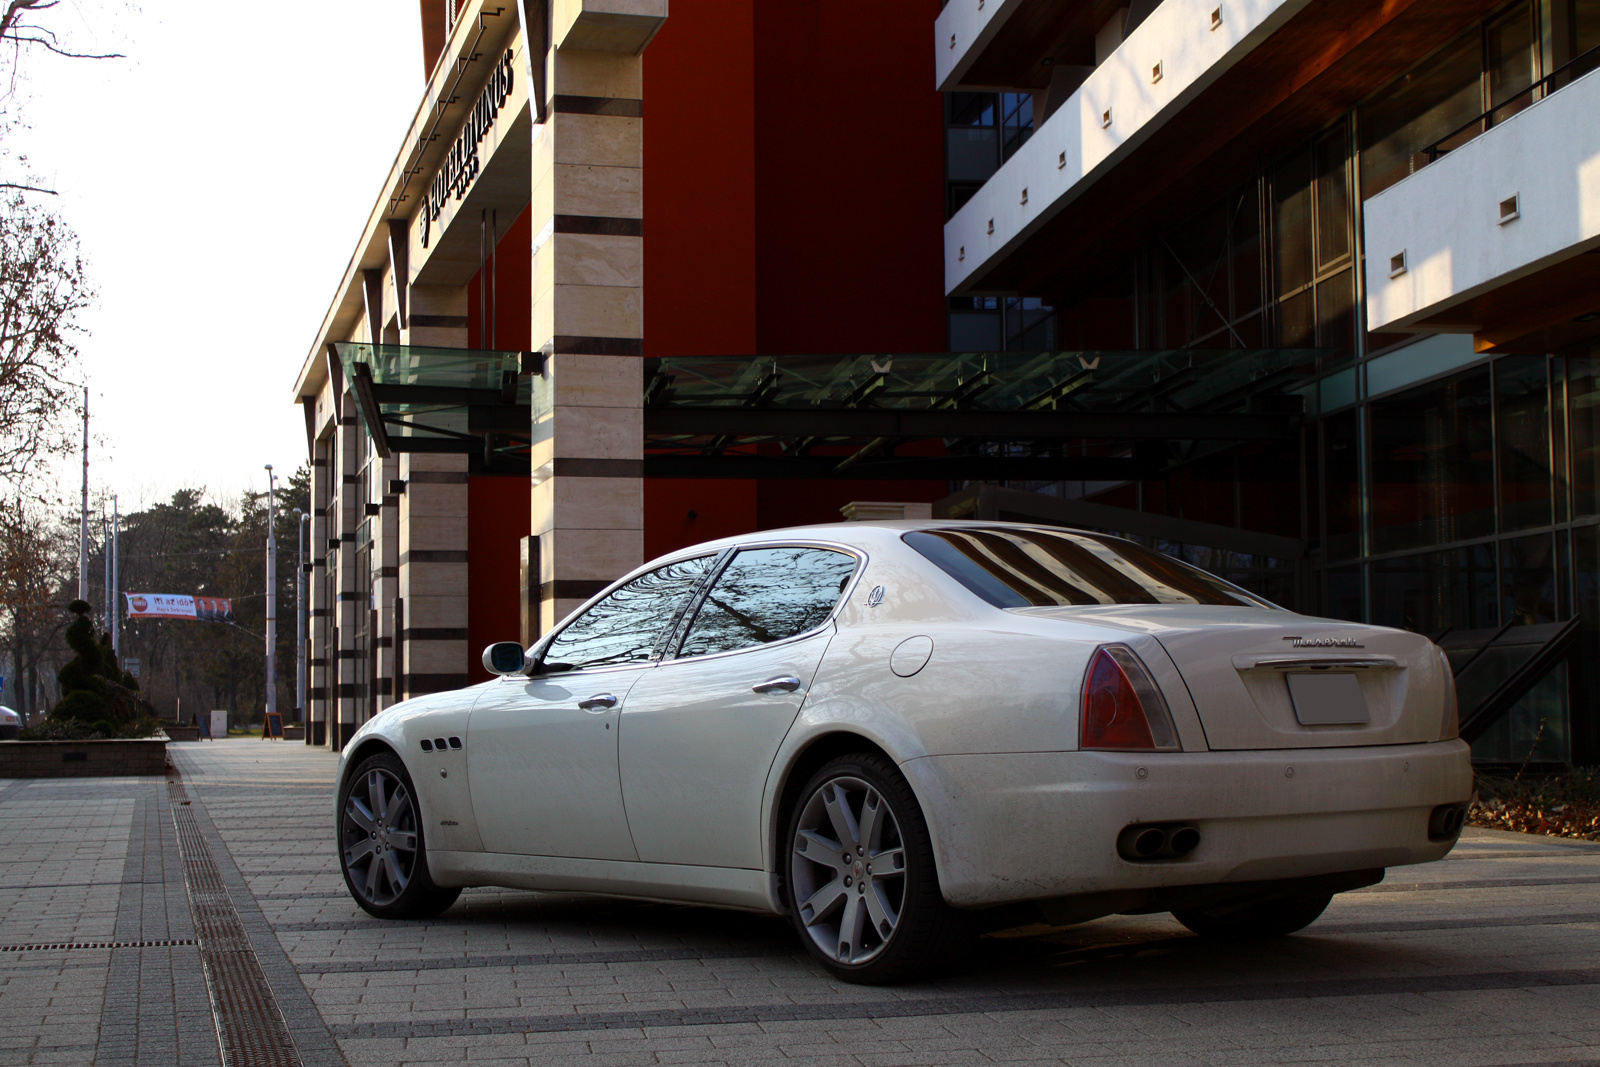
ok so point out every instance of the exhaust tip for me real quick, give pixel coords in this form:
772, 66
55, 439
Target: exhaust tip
1184, 840
1447, 822
1144, 842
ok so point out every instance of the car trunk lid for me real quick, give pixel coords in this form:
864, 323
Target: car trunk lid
1266, 679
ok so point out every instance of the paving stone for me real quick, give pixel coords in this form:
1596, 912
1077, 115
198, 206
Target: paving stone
1489, 957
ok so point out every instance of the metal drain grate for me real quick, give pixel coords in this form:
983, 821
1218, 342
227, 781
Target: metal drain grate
250, 1029
69, 946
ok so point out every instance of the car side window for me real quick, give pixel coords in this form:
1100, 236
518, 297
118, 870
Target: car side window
627, 626
767, 594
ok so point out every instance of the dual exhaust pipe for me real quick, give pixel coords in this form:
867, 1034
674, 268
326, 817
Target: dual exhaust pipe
1157, 841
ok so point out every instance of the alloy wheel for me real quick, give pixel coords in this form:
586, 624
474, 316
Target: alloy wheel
379, 830
848, 869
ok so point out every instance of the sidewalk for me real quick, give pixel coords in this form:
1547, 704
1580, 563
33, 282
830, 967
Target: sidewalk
1490, 957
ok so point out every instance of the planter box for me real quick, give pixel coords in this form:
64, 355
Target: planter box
182, 733
294, 733
82, 759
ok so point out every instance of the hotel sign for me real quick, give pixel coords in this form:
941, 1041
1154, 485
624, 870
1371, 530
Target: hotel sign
460, 166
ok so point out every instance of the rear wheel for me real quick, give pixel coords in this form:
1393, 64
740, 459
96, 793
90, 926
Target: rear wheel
861, 883
381, 847
1257, 920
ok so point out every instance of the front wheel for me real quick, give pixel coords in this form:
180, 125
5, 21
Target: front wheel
1258, 920
381, 849
860, 878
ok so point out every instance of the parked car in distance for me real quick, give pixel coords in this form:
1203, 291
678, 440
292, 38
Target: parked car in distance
887, 731
10, 723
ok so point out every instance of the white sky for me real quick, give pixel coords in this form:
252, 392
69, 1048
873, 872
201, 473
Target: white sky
218, 179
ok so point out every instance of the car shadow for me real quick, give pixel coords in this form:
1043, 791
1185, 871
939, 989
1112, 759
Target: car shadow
1116, 950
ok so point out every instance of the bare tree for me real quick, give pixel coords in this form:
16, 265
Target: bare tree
43, 288
36, 565
20, 25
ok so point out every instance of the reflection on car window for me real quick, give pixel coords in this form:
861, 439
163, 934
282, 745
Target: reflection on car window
1012, 568
767, 594
625, 626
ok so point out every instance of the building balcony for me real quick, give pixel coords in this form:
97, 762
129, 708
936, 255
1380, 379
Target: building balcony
1490, 237
1172, 57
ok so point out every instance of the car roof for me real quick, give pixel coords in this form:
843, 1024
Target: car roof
868, 533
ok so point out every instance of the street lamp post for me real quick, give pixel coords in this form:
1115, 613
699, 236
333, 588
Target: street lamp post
116, 583
272, 595
300, 620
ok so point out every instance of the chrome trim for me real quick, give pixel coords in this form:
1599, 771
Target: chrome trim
598, 702
1301, 663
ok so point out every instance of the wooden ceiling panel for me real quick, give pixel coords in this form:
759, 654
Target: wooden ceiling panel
1313, 70
1038, 34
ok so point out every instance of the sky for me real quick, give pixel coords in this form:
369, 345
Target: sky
218, 179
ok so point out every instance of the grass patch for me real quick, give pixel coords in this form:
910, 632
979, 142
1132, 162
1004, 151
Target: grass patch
1562, 805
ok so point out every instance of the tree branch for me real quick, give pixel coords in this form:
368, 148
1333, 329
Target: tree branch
16, 7
29, 188
63, 52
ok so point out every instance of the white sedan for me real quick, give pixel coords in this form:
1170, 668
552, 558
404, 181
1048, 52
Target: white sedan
893, 731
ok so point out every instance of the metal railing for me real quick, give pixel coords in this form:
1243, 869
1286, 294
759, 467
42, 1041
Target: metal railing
1556, 79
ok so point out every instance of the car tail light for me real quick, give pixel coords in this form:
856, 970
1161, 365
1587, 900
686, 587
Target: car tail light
1122, 708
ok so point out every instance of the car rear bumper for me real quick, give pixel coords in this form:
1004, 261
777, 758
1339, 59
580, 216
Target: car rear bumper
1035, 826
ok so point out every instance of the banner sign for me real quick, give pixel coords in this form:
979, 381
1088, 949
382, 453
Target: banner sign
168, 606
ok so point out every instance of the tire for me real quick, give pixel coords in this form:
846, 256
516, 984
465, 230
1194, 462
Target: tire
381, 847
1259, 920
864, 926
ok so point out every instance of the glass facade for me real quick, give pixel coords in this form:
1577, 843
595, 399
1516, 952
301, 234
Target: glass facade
1433, 488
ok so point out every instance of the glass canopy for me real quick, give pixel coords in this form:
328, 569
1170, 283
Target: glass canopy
1178, 379
441, 395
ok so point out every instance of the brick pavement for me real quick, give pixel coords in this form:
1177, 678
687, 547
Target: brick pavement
1489, 957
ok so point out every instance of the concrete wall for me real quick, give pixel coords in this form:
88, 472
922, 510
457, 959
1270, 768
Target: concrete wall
81, 759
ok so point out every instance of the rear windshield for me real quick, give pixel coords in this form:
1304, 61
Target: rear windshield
1019, 568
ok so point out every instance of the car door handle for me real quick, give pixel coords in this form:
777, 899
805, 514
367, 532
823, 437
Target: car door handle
777, 685
598, 702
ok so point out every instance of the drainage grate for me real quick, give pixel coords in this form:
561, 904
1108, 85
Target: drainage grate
250, 1029
69, 946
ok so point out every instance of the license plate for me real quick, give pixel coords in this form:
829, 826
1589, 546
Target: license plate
1328, 699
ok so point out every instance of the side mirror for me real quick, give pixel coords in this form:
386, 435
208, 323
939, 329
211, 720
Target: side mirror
505, 657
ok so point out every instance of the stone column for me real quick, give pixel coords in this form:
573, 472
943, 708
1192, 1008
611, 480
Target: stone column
433, 572
318, 684
588, 308
386, 577
345, 510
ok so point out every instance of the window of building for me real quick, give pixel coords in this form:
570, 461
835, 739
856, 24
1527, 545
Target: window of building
1583, 420
1433, 464
1481, 78
1016, 122
972, 137
1570, 39
1432, 592
1522, 441
1341, 471
1314, 275
976, 324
